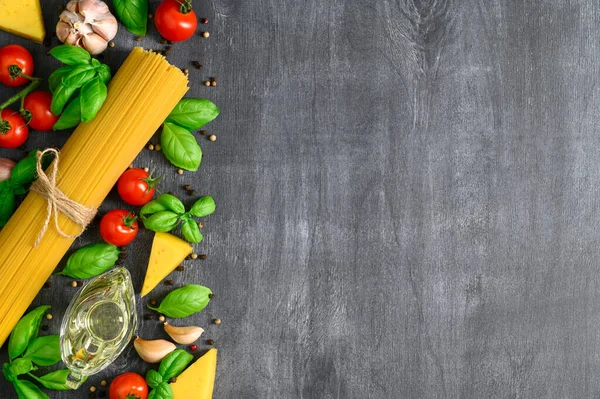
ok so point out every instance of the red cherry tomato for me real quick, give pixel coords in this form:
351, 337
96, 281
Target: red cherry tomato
118, 227
13, 129
13, 54
38, 104
128, 385
136, 186
172, 23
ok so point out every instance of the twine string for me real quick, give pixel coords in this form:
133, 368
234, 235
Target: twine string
57, 201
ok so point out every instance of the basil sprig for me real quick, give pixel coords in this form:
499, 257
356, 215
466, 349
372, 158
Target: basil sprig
79, 88
184, 301
166, 212
171, 366
21, 177
133, 14
91, 260
35, 351
177, 142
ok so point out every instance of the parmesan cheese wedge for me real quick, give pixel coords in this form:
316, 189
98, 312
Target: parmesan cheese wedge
23, 18
167, 253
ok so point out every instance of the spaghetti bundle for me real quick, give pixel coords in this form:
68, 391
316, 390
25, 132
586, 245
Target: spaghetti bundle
140, 96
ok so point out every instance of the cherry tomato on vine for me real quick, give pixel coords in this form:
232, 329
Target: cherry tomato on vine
136, 186
175, 20
38, 104
128, 385
13, 129
118, 227
13, 54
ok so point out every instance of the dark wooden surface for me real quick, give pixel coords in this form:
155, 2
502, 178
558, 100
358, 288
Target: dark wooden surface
407, 198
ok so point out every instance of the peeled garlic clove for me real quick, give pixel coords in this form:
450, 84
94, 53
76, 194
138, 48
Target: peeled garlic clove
183, 335
153, 351
6, 166
94, 43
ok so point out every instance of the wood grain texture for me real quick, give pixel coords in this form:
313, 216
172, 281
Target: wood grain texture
407, 197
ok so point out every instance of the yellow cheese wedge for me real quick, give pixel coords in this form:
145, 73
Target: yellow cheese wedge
167, 253
198, 380
23, 18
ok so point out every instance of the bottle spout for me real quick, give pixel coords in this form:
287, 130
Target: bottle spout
75, 378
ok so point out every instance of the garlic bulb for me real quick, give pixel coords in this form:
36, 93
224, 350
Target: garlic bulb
183, 335
88, 24
6, 166
153, 351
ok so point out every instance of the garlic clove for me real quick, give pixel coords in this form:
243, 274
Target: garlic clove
183, 335
92, 8
106, 27
153, 351
94, 43
6, 166
63, 29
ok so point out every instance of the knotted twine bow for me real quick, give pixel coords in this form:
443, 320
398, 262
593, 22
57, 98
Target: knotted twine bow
57, 201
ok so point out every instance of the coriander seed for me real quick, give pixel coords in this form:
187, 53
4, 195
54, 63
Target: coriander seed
194, 256
212, 137
92, 389
205, 35
161, 318
179, 171
146, 170
207, 83
151, 147
103, 383
49, 316
217, 321
111, 44
157, 147
73, 283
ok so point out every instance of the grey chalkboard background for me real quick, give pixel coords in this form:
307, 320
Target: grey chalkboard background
407, 198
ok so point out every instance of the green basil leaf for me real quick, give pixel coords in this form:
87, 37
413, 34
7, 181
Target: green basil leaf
71, 115
21, 366
79, 76
8, 202
28, 390
91, 260
153, 378
25, 331
96, 63
70, 55
150, 208
93, 94
56, 380
61, 97
172, 203
162, 391
133, 14
180, 147
174, 363
193, 113
44, 351
161, 222
8, 375
203, 207
191, 231
55, 78
184, 301
104, 73
24, 171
